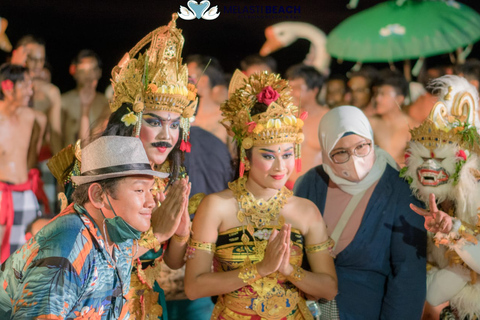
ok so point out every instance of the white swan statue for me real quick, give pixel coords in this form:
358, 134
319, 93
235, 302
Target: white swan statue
283, 34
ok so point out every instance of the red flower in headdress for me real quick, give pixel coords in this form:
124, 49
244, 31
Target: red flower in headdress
461, 154
268, 95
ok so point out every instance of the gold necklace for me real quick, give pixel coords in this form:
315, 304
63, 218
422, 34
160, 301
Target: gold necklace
259, 212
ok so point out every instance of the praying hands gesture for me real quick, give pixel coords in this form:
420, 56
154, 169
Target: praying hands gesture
172, 216
277, 253
435, 220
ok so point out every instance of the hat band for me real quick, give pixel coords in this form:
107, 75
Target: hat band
119, 168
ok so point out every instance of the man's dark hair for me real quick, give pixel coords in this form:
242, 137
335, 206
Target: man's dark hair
256, 59
312, 77
87, 53
339, 77
214, 71
394, 79
12, 72
369, 73
116, 127
470, 69
80, 195
29, 39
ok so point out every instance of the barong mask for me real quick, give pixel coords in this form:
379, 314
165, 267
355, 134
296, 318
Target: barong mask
155, 80
442, 156
280, 123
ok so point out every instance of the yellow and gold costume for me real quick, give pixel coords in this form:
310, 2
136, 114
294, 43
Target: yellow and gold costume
271, 297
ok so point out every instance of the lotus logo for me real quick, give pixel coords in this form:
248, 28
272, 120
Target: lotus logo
198, 10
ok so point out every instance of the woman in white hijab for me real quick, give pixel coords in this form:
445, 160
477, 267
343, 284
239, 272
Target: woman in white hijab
380, 243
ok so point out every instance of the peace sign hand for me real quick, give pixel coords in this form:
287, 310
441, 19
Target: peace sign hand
435, 220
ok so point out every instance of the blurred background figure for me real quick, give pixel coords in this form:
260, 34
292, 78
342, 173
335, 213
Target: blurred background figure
256, 63
337, 91
360, 85
391, 126
30, 52
420, 108
207, 74
85, 111
306, 83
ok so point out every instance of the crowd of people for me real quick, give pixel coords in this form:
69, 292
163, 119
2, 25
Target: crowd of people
186, 192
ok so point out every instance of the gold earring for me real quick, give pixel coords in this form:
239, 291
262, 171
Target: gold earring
247, 165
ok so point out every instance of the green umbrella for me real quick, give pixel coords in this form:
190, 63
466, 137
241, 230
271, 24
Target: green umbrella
392, 31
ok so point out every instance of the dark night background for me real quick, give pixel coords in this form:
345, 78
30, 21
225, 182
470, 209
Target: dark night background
112, 27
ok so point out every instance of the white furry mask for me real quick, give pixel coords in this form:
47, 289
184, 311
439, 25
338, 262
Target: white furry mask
431, 171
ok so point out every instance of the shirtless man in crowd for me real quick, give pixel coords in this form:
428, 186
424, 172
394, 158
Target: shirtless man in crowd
212, 91
391, 126
30, 52
84, 109
306, 82
18, 205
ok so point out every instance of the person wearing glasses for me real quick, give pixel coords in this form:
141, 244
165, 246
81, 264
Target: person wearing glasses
380, 245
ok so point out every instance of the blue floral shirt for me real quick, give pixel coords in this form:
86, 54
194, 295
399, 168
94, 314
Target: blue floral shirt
65, 272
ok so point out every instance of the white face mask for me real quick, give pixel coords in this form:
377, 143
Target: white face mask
355, 169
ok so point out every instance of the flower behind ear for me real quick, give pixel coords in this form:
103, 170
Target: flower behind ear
7, 85
129, 119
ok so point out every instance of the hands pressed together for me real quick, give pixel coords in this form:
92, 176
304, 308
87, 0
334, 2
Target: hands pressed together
277, 254
435, 220
172, 216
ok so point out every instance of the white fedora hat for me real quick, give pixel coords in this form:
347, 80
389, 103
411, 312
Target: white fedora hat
114, 156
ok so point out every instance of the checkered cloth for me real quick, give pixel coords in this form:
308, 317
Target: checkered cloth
26, 209
328, 310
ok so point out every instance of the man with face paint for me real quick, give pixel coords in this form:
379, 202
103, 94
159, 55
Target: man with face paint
79, 264
380, 245
152, 101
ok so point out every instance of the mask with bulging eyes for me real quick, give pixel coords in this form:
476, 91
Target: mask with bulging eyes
432, 174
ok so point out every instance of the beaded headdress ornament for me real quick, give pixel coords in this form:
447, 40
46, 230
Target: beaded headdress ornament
278, 124
155, 79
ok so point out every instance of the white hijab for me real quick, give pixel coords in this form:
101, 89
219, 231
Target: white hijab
333, 126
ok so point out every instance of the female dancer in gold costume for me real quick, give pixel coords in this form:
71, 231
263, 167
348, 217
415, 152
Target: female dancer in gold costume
256, 232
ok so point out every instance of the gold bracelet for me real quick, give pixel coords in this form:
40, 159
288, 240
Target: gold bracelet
181, 239
297, 274
327, 244
249, 273
200, 245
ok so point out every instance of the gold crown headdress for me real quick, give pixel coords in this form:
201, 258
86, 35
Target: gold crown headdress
450, 123
278, 124
156, 79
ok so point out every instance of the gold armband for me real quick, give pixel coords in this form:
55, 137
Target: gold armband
297, 274
249, 273
181, 239
149, 241
193, 245
327, 244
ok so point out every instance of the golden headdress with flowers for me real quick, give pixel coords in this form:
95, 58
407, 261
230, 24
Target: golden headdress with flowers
452, 119
280, 122
155, 79
446, 142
